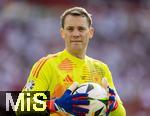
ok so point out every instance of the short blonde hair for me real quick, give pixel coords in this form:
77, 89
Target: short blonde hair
76, 11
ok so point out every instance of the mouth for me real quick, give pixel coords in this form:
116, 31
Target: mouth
76, 41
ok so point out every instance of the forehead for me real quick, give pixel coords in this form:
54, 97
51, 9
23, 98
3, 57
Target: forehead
71, 20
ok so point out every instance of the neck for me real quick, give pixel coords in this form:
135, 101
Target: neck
78, 54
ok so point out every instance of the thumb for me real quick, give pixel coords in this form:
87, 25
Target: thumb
74, 86
105, 84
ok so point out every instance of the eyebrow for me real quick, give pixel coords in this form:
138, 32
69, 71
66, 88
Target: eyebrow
77, 27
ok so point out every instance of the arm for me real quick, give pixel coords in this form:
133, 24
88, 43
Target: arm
119, 110
36, 83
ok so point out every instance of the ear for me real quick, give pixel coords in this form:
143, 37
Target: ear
62, 33
91, 33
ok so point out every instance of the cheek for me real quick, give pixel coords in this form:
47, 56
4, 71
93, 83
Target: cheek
67, 40
67, 36
86, 38
86, 41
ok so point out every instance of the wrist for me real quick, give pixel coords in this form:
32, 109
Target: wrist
51, 105
115, 106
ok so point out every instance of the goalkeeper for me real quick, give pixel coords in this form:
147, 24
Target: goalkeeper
57, 72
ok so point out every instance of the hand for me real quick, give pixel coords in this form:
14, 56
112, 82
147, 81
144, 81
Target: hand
69, 103
112, 102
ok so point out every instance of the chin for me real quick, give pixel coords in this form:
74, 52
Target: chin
77, 49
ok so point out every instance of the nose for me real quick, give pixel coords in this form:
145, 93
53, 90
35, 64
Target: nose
75, 33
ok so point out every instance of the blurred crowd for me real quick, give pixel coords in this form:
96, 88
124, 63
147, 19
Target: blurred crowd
29, 30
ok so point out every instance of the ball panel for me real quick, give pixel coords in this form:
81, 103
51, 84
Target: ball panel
97, 97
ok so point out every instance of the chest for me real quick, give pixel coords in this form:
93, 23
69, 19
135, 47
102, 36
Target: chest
81, 73
65, 73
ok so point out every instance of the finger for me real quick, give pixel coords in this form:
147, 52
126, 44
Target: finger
111, 106
111, 91
79, 95
112, 98
105, 83
80, 114
80, 98
67, 92
74, 86
80, 110
80, 102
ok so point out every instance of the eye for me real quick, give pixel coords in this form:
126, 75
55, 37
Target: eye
81, 29
69, 29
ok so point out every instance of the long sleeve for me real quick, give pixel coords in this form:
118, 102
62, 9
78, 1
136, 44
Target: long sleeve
120, 111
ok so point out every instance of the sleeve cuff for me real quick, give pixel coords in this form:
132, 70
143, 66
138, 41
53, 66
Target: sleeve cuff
51, 106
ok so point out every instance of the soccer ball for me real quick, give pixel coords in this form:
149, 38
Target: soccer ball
97, 96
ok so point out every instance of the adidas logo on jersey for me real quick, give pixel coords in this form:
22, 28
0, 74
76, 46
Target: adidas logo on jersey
68, 79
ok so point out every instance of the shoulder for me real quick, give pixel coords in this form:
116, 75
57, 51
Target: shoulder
44, 62
49, 57
97, 62
100, 65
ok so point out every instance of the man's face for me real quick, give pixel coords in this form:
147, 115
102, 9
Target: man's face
76, 33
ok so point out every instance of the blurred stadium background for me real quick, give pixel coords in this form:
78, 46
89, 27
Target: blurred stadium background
29, 29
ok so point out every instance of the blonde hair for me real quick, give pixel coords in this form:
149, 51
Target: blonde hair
76, 11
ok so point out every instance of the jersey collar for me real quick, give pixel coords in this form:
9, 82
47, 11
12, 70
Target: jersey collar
73, 58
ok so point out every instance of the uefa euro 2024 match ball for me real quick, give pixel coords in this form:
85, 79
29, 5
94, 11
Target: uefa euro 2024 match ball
97, 96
